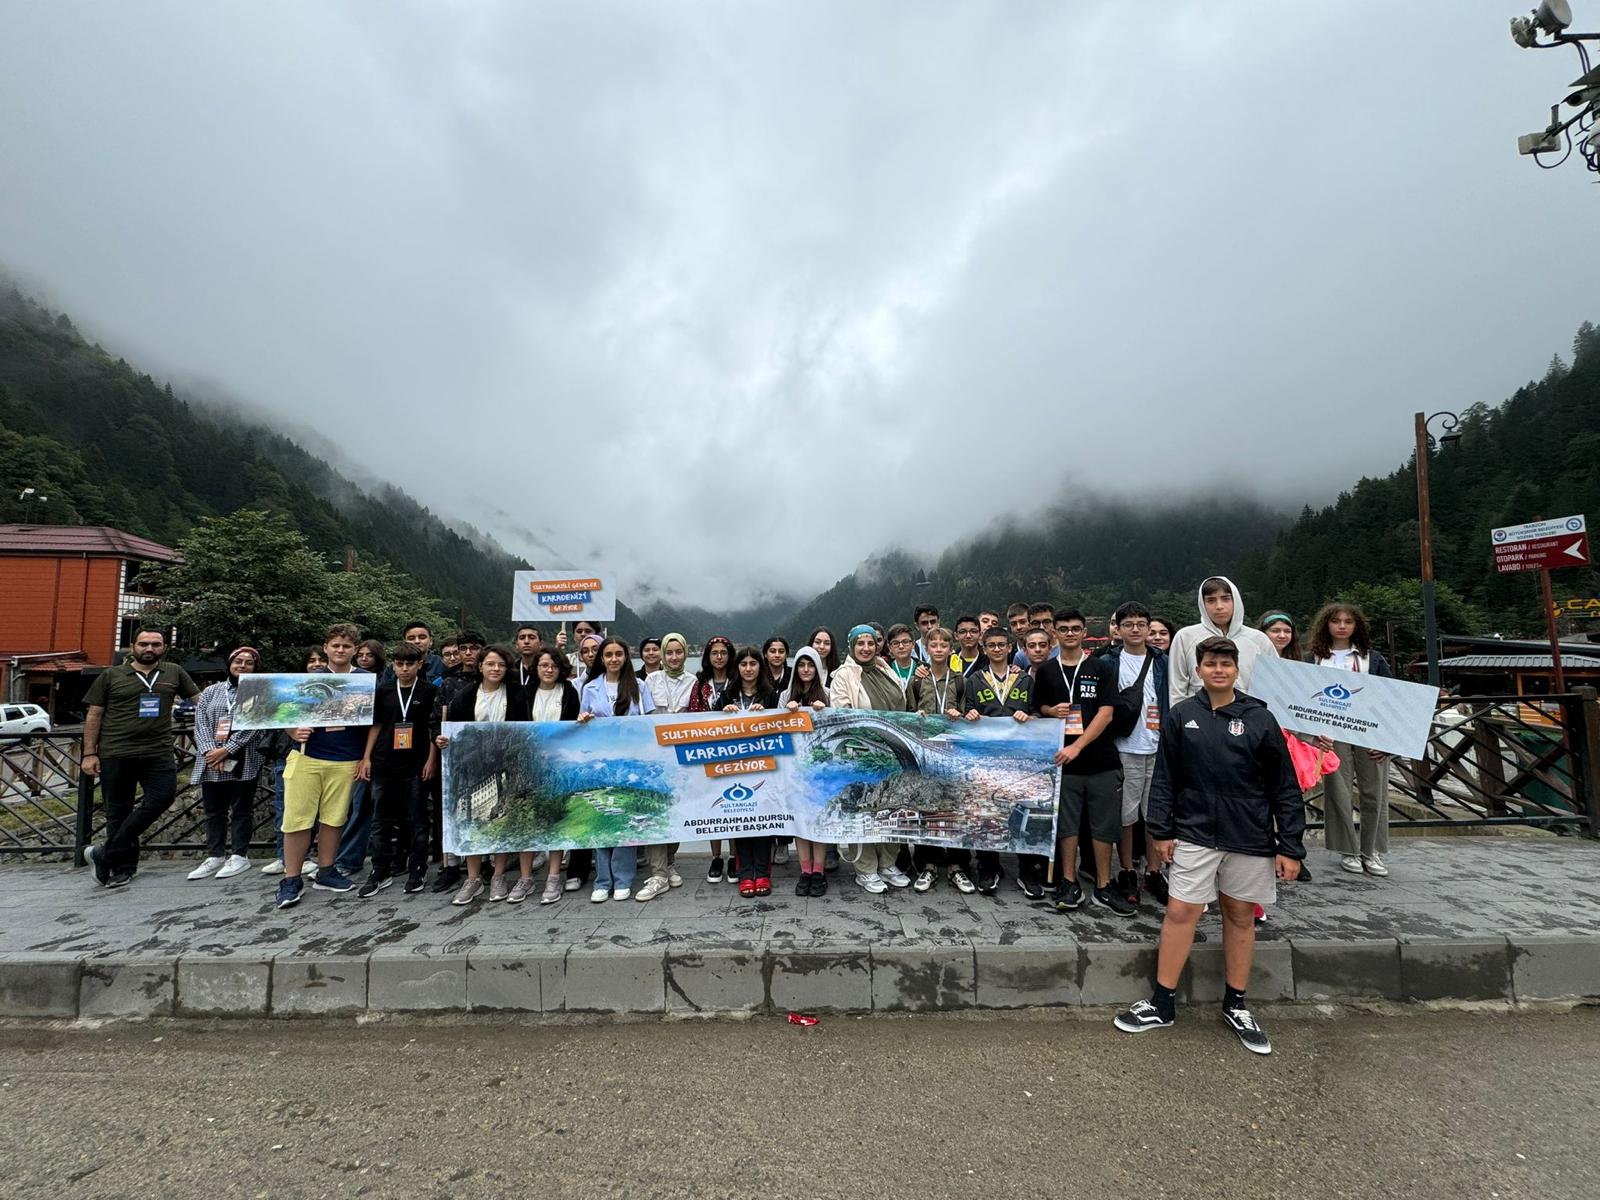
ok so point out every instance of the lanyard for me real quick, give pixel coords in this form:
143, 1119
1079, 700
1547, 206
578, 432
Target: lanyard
999, 687
405, 701
747, 703
939, 693
1072, 684
154, 678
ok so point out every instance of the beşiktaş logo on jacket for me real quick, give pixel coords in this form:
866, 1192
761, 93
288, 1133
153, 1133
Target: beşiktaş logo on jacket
1236, 727
1190, 724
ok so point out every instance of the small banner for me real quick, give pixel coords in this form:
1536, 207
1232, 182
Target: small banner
835, 775
563, 596
1379, 713
317, 700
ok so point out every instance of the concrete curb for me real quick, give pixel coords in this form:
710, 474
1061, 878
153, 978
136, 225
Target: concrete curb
740, 978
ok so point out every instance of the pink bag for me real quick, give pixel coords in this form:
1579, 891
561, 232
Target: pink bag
1310, 763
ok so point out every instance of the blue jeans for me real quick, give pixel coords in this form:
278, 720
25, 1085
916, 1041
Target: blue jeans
357, 831
615, 868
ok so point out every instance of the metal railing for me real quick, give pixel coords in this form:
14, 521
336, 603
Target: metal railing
49, 807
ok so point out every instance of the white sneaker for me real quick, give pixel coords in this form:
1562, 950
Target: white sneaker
924, 879
622, 894
652, 888
895, 877
309, 870
873, 883
673, 878
574, 882
599, 895
540, 858
780, 854
275, 867
235, 864
1352, 863
207, 869
1374, 865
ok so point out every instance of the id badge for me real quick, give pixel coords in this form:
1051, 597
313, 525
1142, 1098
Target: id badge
224, 728
1152, 717
402, 737
149, 705
1074, 720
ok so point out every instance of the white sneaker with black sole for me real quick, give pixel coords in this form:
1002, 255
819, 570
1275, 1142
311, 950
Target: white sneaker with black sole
1251, 1036
1141, 1018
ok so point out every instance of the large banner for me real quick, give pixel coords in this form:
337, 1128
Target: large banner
563, 596
318, 700
1390, 715
837, 775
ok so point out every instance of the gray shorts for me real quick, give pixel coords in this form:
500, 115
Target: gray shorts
1101, 795
1137, 772
1198, 873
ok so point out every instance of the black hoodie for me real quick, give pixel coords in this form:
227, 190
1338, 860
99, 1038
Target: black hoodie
1224, 779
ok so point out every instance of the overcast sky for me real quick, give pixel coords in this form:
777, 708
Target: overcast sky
728, 296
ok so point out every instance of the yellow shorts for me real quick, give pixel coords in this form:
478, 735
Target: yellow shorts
316, 791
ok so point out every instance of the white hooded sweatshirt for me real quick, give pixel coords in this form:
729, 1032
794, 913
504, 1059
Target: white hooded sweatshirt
1182, 681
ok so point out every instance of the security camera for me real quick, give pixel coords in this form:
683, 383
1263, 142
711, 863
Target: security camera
1546, 142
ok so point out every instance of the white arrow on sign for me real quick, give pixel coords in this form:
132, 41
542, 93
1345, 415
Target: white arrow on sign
1576, 550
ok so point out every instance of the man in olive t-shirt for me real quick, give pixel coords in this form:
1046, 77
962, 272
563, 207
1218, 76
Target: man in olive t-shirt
127, 743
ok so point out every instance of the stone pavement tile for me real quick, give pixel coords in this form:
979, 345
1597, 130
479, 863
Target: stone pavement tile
1029, 972
39, 984
1328, 967
127, 987
961, 924
1455, 969
1117, 974
516, 978
714, 979
1271, 973
706, 931
805, 979
402, 980
602, 977
1555, 967
923, 976
233, 985
626, 934
314, 985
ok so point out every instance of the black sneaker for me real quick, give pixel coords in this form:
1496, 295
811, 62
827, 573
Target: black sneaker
374, 885
1107, 897
414, 882
290, 889
96, 860
1032, 886
1068, 895
714, 872
120, 880
1156, 885
447, 880
1251, 1036
803, 886
819, 884
1127, 886
989, 883
1141, 1018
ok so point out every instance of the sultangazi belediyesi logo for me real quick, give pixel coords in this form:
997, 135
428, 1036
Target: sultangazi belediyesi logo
1335, 696
739, 798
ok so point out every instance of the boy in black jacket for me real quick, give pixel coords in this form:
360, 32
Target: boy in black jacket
1225, 809
400, 759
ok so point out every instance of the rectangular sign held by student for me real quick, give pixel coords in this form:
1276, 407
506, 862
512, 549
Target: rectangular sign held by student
316, 700
1379, 713
563, 596
836, 775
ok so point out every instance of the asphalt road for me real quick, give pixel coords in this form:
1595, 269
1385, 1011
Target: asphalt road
1448, 1105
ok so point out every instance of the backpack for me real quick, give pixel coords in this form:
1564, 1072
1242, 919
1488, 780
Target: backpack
1128, 708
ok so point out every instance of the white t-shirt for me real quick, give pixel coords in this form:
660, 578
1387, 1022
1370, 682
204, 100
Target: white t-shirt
1143, 739
547, 703
1340, 659
490, 706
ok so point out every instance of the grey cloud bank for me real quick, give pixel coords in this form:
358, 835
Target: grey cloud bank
720, 294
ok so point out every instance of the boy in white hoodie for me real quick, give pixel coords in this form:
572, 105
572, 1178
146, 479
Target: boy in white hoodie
1221, 615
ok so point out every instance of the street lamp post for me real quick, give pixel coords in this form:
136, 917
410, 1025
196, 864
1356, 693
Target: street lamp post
1448, 423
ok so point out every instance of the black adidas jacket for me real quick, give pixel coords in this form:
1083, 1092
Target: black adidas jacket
1224, 779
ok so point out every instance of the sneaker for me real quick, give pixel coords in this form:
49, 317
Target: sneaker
469, 891
780, 855
237, 864
330, 880
275, 867
540, 860
522, 889
574, 882
1032, 886
309, 869
290, 889
989, 884
621, 894
895, 877
1374, 865
873, 883
819, 884
1107, 897
373, 885
1127, 886
1261, 915
206, 869
673, 878
1141, 1017
553, 890
120, 879
1251, 1036
415, 881
714, 871
830, 859
925, 878
1352, 863
1069, 895
447, 880
599, 895
1156, 885
803, 887
959, 880
653, 887
499, 887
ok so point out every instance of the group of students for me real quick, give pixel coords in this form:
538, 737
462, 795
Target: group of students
1162, 759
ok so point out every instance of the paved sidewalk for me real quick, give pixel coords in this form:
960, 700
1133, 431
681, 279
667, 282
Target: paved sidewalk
1461, 918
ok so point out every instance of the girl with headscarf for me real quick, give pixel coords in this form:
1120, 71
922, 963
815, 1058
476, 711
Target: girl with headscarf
226, 766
